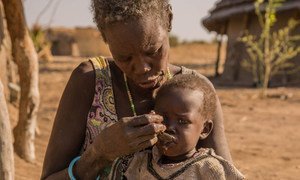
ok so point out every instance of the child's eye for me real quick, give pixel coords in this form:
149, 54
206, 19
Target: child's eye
182, 121
165, 119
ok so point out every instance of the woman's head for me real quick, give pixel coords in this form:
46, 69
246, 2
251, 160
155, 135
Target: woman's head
107, 12
136, 32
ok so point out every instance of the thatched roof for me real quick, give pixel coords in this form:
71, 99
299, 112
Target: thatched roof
225, 9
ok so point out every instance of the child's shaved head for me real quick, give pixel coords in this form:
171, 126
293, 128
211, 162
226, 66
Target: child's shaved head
193, 82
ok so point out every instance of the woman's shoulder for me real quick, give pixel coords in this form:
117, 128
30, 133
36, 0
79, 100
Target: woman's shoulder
84, 71
83, 68
90, 72
87, 69
83, 74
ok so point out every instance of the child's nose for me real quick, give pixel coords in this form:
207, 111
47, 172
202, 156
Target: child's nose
170, 129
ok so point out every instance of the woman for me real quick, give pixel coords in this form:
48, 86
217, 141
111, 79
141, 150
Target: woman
104, 112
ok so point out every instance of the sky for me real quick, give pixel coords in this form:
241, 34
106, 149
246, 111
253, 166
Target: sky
71, 13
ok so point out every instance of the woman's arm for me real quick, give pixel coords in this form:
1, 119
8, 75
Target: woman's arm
69, 127
217, 138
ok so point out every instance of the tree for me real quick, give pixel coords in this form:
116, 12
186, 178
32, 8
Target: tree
6, 148
41, 43
25, 56
272, 51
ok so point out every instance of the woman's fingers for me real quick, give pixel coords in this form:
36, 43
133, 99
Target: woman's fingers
143, 143
147, 143
129, 135
147, 124
138, 141
150, 129
143, 120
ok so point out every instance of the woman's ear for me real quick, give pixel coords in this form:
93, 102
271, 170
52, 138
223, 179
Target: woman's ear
207, 128
170, 17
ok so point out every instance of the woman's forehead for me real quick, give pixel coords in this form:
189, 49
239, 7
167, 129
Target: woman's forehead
146, 32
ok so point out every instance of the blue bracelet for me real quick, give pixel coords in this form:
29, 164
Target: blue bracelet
70, 168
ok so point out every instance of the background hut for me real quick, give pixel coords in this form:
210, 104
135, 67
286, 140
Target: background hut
77, 42
233, 18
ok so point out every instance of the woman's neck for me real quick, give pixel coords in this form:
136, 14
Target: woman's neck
134, 89
177, 159
143, 98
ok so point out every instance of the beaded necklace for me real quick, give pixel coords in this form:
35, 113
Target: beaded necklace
169, 76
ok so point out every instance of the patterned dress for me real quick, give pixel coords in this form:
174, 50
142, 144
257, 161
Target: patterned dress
102, 112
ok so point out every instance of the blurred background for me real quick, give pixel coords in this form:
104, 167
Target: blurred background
257, 82
76, 13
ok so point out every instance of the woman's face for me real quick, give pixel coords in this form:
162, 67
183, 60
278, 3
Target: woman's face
140, 49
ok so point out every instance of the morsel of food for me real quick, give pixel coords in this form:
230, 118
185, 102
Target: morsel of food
165, 137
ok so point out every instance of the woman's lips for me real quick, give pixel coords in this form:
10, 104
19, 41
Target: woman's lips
149, 83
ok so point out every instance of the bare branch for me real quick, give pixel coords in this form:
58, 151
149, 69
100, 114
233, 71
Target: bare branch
43, 11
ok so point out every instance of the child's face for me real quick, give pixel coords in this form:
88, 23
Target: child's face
181, 111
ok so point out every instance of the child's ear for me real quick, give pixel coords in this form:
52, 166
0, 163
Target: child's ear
207, 128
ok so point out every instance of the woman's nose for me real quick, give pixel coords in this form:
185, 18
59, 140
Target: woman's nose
141, 66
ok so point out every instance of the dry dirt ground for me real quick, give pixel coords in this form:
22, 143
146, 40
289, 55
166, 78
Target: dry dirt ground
263, 135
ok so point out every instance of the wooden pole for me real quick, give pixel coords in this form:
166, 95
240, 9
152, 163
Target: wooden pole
219, 39
219, 49
6, 148
26, 58
7, 170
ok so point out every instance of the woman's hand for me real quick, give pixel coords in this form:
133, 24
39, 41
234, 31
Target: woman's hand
128, 135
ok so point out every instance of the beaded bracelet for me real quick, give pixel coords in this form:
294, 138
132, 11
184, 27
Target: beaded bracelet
70, 168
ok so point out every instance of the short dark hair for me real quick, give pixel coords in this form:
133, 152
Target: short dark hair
109, 11
193, 82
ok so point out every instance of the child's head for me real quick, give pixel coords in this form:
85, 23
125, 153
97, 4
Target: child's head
187, 103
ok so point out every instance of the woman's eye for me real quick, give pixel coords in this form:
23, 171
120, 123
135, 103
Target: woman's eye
124, 59
153, 53
127, 59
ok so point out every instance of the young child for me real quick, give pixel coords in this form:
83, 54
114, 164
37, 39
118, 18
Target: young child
187, 103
